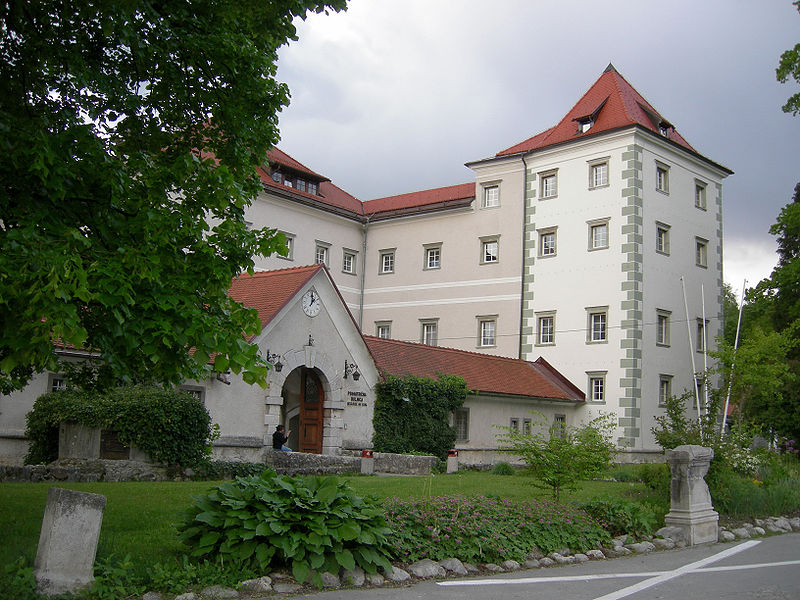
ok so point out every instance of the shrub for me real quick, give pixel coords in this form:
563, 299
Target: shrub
226, 469
625, 473
559, 458
412, 414
312, 525
657, 477
171, 426
620, 517
503, 468
483, 529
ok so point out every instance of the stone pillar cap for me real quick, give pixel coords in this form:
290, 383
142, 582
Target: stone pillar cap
690, 452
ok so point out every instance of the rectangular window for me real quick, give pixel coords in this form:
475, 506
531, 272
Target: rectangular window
662, 238
433, 256
490, 250
321, 253
597, 325
487, 332
664, 389
598, 234
56, 383
461, 424
349, 262
702, 340
662, 328
662, 178
383, 329
198, 392
598, 174
559, 428
526, 426
491, 196
548, 184
700, 195
289, 255
547, 242
597, 387
514, 424
312, 188
300, 184
701, 252
430, 333
546, 331
386, 261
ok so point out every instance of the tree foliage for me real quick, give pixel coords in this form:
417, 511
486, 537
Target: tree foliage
412, 414
132, 133
560, 456
789, 67
171, 426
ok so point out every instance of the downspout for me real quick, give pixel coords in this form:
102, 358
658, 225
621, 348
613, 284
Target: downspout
364, 228
524, 249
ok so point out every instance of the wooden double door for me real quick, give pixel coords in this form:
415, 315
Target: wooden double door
312, 398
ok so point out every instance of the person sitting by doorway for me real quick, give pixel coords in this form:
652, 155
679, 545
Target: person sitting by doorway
279, 439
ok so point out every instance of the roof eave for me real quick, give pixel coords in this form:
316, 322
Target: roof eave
317, 204
422, 209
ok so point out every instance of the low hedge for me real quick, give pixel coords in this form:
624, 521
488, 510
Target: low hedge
171, 426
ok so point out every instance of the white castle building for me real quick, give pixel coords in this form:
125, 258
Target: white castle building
570, 246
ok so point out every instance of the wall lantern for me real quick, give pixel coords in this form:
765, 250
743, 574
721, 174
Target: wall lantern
223, 377
351, 369
275, 361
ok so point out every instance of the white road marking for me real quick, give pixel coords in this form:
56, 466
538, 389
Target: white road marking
643, 585
653, 577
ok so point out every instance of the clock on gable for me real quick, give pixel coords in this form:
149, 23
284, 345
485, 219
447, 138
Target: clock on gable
312, 303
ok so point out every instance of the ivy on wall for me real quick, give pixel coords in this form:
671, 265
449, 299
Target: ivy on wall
412, 414
171, 426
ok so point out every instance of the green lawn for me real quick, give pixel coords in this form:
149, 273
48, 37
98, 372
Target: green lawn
140, 517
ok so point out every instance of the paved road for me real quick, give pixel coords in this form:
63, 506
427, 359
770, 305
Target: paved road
764, 569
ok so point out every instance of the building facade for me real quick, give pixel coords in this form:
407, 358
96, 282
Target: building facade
577, 245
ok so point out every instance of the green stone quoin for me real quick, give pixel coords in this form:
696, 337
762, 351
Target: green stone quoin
631, 306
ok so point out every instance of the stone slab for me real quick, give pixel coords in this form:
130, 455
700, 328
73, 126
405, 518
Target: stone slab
68, 541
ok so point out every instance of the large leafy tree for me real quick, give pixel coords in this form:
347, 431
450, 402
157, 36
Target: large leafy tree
789, 67
131, 134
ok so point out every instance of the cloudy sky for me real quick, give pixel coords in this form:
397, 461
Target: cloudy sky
394, 96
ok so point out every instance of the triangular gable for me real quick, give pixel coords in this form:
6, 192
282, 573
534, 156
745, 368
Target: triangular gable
269, 291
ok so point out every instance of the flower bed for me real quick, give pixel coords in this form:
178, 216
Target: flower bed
483, 529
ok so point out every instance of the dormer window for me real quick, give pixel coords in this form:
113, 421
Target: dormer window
664, 129
312, 188
586, 125
276, 177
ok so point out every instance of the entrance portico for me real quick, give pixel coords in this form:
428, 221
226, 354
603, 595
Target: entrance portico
306, 395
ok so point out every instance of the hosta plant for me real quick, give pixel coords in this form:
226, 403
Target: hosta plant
312, 525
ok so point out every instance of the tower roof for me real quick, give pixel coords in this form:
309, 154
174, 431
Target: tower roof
610, 103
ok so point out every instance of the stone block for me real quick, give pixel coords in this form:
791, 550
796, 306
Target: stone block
426, 568
78, 441
453, 565
691, 508
68, 541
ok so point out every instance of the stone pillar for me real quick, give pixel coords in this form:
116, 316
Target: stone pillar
452, 461
78, 441
68, 541
691, 510
367, 462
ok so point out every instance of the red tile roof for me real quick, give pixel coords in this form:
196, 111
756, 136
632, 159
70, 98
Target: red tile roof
276, 155
443, 196
482, 372
269, 291
613, 104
